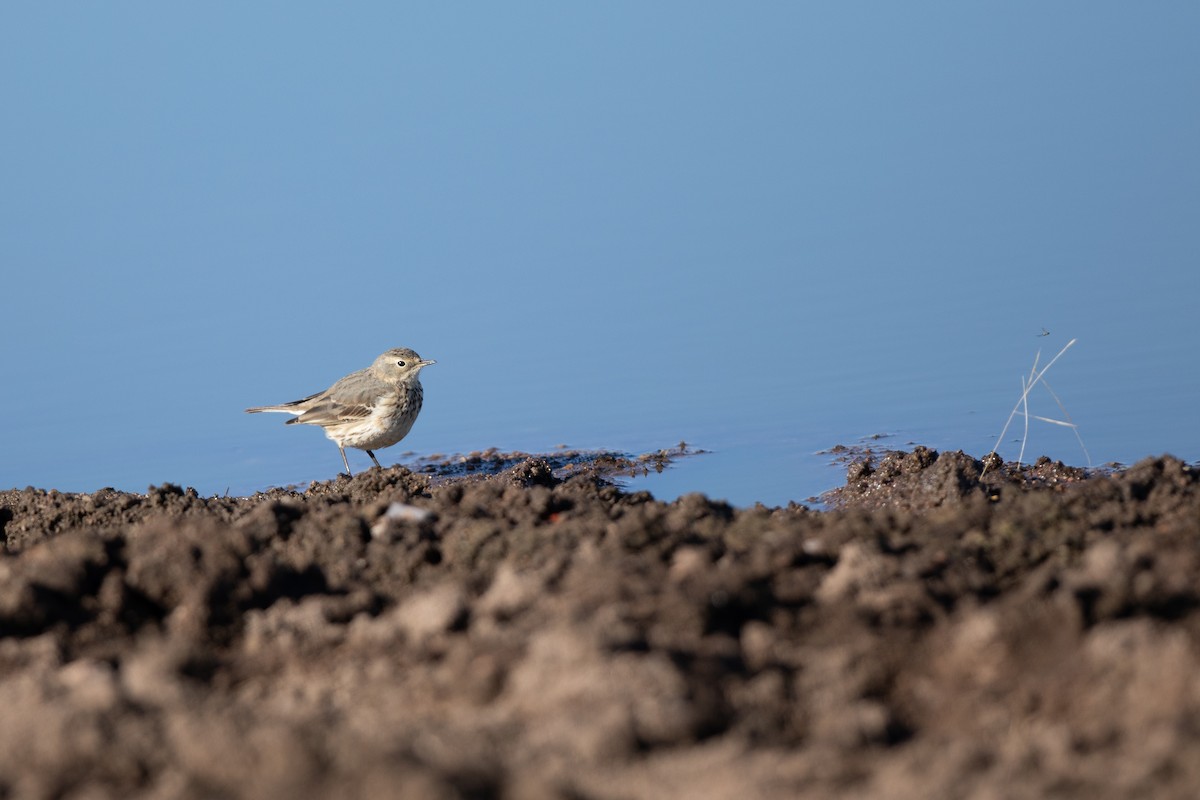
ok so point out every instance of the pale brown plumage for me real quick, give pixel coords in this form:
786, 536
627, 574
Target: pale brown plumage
369, 409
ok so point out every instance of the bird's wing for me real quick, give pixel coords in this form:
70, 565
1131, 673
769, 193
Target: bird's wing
350, 399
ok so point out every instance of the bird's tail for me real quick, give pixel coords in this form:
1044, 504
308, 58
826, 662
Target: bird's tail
284, 409
294, 407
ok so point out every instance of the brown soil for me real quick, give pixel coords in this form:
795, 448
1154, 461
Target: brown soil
540, 633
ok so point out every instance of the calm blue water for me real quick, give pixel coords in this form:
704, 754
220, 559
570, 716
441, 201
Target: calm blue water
764, 232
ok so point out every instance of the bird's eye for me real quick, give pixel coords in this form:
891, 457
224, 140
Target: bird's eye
399, 363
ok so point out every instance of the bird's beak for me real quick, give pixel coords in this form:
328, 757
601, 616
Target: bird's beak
425, 362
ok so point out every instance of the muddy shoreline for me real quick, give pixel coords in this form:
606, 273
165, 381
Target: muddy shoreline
525, 629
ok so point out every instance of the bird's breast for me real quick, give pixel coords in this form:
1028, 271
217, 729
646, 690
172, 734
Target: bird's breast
391, 419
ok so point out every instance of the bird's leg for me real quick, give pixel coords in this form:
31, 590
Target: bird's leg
372, 455
342, 450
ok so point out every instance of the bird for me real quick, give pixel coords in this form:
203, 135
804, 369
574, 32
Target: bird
368, 409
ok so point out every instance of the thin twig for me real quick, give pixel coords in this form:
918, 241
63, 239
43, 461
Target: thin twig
1070, 423
1055, 421
1025, 413
1035, 376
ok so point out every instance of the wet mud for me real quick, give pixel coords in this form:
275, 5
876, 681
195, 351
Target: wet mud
503, 626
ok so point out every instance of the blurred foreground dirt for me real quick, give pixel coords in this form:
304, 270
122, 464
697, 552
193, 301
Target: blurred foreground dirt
1028, 633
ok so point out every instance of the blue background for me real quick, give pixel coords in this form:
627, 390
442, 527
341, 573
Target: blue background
763, 229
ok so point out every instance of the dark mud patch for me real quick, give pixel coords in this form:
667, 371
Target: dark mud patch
563, 462
924, 478
947, 631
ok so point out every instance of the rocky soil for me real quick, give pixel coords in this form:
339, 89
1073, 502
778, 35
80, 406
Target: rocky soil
945, 631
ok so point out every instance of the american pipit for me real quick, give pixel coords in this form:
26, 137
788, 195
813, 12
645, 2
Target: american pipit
369, 409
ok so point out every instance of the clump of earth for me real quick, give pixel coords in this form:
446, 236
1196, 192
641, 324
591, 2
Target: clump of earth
514, 626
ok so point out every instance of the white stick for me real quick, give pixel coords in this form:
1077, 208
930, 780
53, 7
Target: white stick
1025, 411
1035, 376
1071, 424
